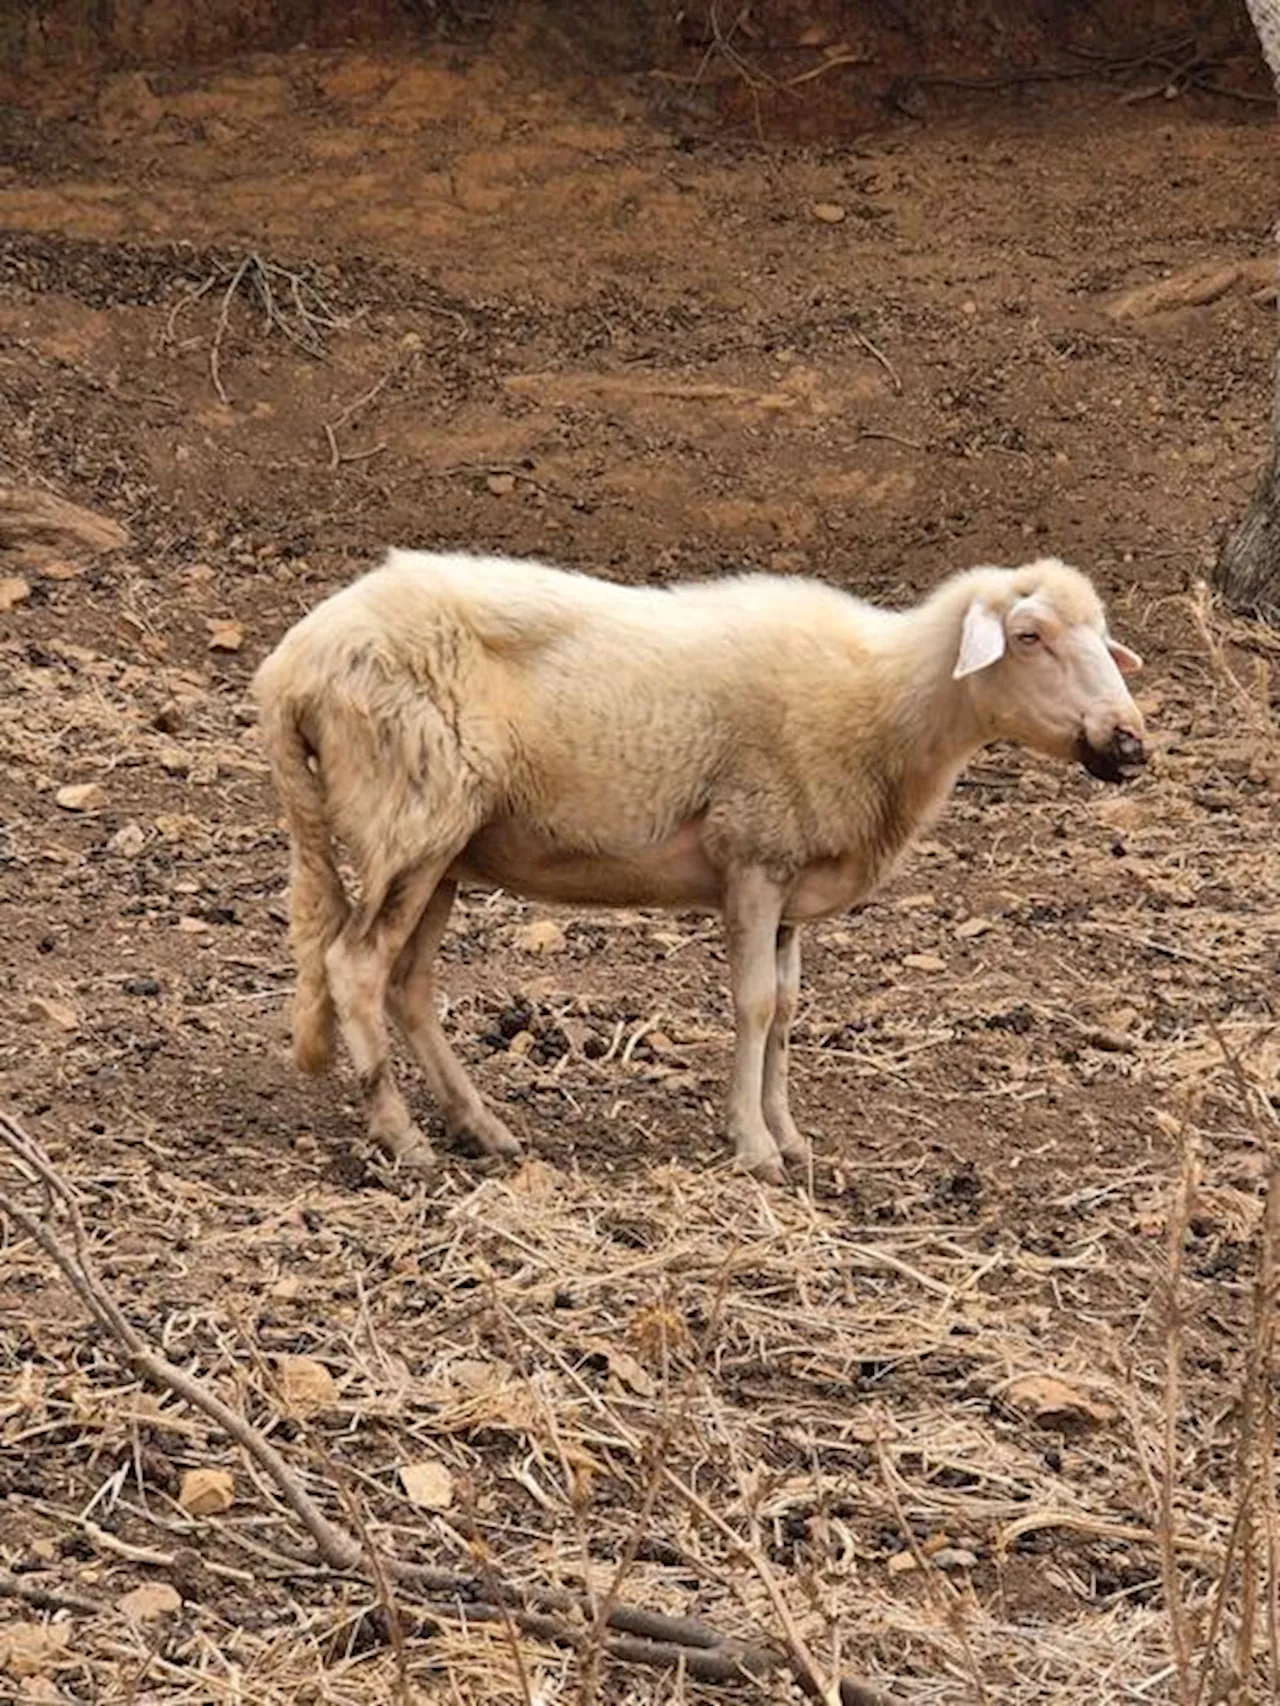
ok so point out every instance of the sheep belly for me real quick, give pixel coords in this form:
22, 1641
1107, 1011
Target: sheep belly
511, 855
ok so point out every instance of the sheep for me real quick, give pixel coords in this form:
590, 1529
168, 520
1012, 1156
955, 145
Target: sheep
760, 746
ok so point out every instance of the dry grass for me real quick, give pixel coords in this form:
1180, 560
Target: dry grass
801, 1418
564, 1326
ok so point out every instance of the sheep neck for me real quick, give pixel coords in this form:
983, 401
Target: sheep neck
929, 724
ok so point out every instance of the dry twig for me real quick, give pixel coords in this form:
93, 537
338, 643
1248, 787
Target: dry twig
290, 304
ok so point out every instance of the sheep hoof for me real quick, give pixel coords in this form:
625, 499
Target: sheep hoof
485, 1131
791, 1144
761, 1161
770, 1170
410, 1149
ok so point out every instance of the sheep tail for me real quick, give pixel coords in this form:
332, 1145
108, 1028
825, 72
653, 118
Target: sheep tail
318, 904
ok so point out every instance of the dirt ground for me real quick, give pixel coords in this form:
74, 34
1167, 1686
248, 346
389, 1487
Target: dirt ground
584, 321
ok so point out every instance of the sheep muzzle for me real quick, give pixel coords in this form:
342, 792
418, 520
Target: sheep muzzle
1123, 755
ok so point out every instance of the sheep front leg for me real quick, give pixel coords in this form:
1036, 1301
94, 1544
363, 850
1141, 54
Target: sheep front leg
413, 1002
777, 1055
752, 914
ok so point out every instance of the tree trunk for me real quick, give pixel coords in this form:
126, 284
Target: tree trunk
1247, 572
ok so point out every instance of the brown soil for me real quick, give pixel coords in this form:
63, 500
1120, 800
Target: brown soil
588, 324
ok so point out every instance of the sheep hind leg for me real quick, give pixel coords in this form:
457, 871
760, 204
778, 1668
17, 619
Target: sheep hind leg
777, 1054
752, 912
413, 1004
358, 966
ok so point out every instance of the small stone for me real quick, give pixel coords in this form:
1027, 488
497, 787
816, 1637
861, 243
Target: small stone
27, 1649
61, 571
225, 634
428, 1484
141, 986
501, 485
207, 1492
175, 760
13, 589
955, 1558
828, 212
56, 1012
193, 926
543, 936
521, 1043
81, 797
972, 927
924, 962
40, 1691
307, 1385
128, 841
152, 1599
1057, 1403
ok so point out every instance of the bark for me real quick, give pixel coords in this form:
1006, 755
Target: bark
1247, 572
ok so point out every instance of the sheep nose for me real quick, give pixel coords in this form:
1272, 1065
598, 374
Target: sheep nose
1128, 749
1117, 760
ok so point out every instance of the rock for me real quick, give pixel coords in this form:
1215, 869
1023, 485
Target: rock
151, 1600
225, 634
40, 1691
31, 512
13, 589
207, 1492
81, 797
501, 485
57, 1012
975, 926
624, 1368
543, 936
307, 1385
828, 212
30, 1649
428, 1483
175, 760
1192, 288
924, 962
1055, 1403
141, 986
128, 841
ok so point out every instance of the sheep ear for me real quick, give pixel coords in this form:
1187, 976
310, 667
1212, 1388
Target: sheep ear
1127, 662
981, 640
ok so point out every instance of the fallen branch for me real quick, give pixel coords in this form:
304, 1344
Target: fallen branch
338, 457
30, 513
637, 1635
46, 1596
290, 304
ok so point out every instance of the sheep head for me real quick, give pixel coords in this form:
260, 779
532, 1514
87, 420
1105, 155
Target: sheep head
1042, 669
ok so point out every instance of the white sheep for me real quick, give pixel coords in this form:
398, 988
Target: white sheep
759, 746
